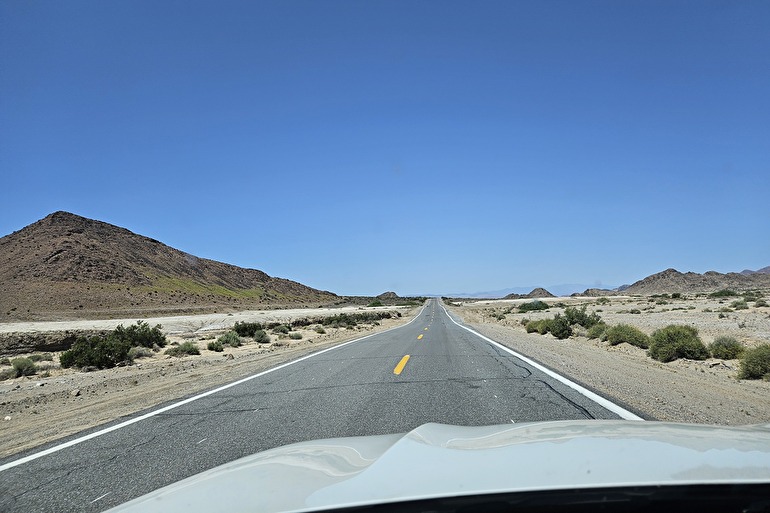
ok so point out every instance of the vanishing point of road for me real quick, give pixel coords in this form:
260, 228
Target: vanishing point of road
429, 370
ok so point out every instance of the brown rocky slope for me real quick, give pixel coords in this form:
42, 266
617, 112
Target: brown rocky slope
671, 280
67, 266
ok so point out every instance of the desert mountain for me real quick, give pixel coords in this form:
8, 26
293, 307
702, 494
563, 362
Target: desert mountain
67, 265
538, 292
671, 280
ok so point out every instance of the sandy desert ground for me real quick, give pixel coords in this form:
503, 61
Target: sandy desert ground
57, 402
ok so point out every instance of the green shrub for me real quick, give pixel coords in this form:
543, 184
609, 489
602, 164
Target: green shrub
215, 345
626, 333
230, 338
23, 367
559, 326
580, 317
320, 330
755, 363
725, 348
140, 334
139, 352
677, 341
676, 295
102, 353
295, 335
281, 328
183, 349
723, 293
533, 306
261, 337
597, 330
40, 357
740, 304
760, 302
247, 329
376, 302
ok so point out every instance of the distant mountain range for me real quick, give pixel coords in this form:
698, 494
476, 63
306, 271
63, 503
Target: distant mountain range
68, 266
671, 280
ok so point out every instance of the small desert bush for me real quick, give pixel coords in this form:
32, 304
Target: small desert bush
320, 330
376, 302
183, 349
725, 348
755, 363
215, 345
760, 302
724, 293
139, 352
102, 353
295, 335
597, 330
626, 333
581, 317
140, 334
261, 337
533, 306
677, 341
247, 329
559, 326
230, 338
539, 326
281, 328
23, 367
41, 357
740, 304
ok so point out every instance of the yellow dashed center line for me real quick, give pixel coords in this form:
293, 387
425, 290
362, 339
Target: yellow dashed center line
401, 365
419, 337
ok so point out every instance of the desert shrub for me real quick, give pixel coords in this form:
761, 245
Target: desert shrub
376, 302
140, 334
139, 352
8, 373
559, 326
281, 328
23, 367
183, 349
320, 330
247, 329
626, 333
533, 306
102, 353
597, 330
676, 295
295, 335
579, 316
739, 304
760, 302
5, 361
726, 348
261, 337
723, 293
677, 341
755, 363
230, 338
40, 357
602, 301
215, 345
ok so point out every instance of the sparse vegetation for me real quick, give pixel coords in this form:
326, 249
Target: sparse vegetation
677, 341
231, 339
580, 317
597, 330
559, 326
261, 337
23, 367
139, 352
755, 363
281, 329
740, 304
247, 329
98, 352
533, 306
140, 334
621, 333
295, 335
215, 345
183, 349
760, 302
41, 357
320, 330
723, 293
725, 348
376, 302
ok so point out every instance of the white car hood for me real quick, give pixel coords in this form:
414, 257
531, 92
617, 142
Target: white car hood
436, 460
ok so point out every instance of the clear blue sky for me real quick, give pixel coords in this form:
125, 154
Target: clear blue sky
415, 146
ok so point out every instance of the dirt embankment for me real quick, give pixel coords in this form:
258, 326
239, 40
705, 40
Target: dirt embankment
680, 391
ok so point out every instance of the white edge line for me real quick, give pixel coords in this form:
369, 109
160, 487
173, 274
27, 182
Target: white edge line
605, 403
104, 431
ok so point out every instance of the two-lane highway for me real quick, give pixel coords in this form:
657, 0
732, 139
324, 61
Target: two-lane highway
430, 370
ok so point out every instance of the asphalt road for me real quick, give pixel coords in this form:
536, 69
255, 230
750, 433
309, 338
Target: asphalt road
365, 387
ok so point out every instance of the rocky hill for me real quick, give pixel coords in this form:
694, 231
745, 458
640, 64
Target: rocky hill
67, 266
536, 293
671, 280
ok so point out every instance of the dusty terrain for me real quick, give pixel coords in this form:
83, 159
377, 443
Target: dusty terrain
58, 402
681, 391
